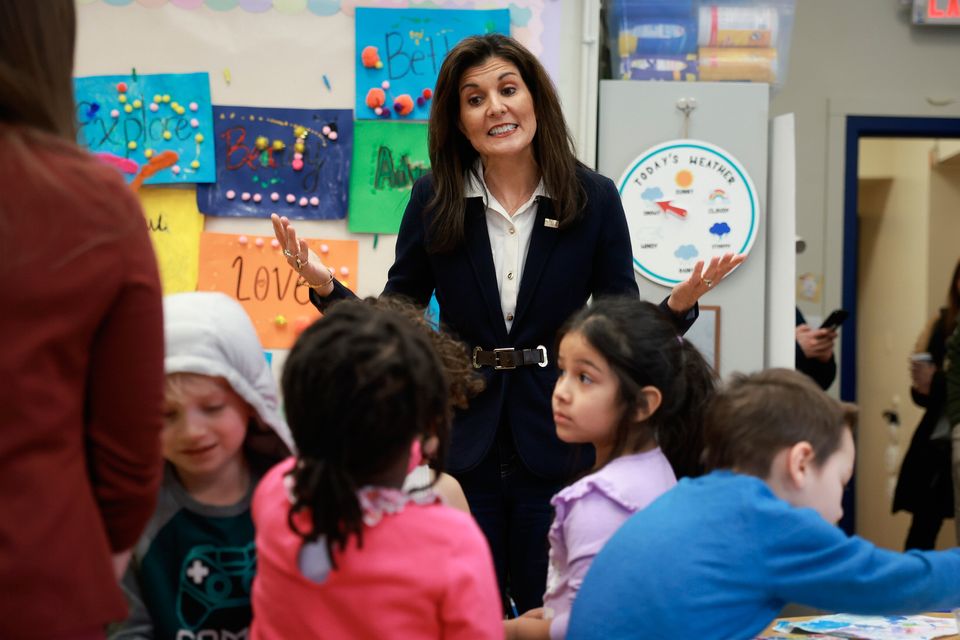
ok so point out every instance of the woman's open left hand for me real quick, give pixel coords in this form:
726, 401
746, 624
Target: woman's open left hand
299, 257
702, 280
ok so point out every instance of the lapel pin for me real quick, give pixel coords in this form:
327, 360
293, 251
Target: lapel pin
550, 222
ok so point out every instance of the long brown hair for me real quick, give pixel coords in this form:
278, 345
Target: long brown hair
36, 65
452, 155
953, 302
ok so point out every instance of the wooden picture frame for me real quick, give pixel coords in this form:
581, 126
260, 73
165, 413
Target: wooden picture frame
705, 335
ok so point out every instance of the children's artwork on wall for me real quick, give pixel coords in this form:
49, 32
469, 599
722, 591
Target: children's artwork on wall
399, 52
253, 271
175, 227
154, 128
295, 162
388, 157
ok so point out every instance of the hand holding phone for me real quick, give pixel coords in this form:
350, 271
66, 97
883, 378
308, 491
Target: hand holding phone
835, 319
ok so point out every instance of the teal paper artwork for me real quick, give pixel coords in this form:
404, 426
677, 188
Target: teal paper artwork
399, 53
155, 126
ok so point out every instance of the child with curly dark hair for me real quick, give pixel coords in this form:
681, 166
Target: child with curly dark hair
343, 552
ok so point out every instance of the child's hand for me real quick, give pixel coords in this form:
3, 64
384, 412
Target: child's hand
529, 626
300, 258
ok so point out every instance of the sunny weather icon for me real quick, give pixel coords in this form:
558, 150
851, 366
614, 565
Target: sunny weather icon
684, 178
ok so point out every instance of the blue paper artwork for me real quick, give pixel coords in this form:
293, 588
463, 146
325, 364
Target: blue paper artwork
156, 126
399, 52
294, 162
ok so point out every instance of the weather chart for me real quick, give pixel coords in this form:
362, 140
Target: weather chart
686, 200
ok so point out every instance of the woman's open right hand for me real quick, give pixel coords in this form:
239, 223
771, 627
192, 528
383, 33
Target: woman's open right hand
300, 258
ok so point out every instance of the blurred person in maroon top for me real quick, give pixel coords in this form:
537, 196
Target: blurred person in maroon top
81, 348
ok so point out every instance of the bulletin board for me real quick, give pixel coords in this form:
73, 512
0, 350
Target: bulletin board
286, 57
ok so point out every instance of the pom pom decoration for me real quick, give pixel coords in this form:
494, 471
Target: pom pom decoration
376, 98
370, 57
403, 105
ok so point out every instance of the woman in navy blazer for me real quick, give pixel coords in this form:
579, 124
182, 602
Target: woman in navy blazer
505, 184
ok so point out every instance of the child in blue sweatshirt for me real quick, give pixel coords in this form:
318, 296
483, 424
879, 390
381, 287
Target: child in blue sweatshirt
720, 555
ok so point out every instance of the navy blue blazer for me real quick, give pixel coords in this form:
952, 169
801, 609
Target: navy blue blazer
564, 267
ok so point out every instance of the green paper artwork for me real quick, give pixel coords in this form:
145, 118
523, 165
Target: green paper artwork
388, 157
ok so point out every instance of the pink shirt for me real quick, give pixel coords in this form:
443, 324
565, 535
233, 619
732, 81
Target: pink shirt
588, 513
424, 572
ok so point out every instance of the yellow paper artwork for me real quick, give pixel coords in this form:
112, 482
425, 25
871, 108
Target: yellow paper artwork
175, 226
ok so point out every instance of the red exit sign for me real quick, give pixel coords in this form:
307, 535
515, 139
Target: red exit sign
934, 12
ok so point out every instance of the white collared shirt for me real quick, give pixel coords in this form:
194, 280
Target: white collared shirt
509, 239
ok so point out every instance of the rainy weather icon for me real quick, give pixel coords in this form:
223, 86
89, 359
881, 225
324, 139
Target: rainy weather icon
686, 252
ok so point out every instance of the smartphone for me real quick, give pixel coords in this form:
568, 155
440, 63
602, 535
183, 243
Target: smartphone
835, 319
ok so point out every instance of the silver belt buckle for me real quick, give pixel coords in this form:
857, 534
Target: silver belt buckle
476, 350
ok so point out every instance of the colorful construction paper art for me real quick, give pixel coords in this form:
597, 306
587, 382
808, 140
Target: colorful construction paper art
155, 129
295, 162
175, 227
843, 625
252, 270
399, 52
388, 157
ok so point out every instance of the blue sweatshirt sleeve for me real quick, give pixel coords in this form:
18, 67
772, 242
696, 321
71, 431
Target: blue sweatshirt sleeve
812, 562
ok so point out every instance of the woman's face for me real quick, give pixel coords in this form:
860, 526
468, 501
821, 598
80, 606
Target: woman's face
496, 110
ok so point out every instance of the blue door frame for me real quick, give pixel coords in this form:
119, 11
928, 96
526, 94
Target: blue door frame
868, 127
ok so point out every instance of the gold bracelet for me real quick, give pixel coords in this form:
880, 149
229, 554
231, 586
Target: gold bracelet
322, 284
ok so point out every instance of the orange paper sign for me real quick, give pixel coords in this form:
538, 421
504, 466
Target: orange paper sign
254, 271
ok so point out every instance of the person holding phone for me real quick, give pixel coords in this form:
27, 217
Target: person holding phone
814, 350
925, 487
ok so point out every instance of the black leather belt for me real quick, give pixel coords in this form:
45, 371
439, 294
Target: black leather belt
509, 358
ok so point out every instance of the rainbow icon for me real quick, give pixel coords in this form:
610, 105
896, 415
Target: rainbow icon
718, 194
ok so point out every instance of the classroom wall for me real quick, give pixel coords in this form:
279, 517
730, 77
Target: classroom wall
854, 50
277, 59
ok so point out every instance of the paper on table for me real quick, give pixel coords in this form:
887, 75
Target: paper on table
843, 625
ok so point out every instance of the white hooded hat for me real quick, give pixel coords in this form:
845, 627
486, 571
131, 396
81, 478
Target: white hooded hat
210, 333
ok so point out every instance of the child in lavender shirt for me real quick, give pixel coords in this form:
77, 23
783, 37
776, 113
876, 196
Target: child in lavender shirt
631, 387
